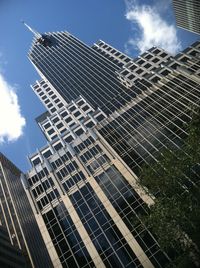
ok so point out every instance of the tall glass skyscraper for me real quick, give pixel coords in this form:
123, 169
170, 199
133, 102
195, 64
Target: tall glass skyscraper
18, 220
187, 14
107, 115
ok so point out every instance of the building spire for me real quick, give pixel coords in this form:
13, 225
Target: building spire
36, 34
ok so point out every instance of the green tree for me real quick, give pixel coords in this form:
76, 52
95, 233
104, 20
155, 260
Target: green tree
175, 182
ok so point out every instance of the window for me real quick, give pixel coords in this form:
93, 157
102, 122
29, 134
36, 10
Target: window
100, 117
36, 161
140, 61
155, 79
69, 139
53, 110
47, 154
163, 55
81, 118
125, 72
165, 72
54, 137
184, 59
80, 103
90, 124
47, 101
50, 105
77, 114
139, 71
47, 125
155, 60
148, 56
133, 67
147, 65
85, 108
68, 119
60, 125
193, 53
156, 51
51, 131
62, 131
64, 114
72, 108
79, 132
127, 60
58, 146
34, 179
34, 193
55, 119
174, 66
57, 100
53, 97
72, 124
131, 76
60, 105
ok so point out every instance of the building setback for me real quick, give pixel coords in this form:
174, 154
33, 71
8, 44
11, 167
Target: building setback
156, 118
187, 13
108, 115
17, 217
79, 189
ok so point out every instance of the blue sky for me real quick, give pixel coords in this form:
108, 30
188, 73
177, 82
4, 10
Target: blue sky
130, 26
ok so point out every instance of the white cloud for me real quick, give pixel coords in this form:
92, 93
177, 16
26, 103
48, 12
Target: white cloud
11, 120
150, 29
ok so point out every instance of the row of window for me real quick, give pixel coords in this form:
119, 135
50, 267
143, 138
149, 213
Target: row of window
34, 179
44, 186
81, 146
66, 170
51, 196
70, 182
61, 128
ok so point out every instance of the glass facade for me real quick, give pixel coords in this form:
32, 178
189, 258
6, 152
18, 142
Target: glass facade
107, 115
187, 14
17, 217
75, 69
85, 204
10, 256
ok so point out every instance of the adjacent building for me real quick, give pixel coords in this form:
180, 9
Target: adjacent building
17, 218
107, 116
187, 13
10, 256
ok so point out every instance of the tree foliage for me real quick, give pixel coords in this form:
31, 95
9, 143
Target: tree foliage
175, 182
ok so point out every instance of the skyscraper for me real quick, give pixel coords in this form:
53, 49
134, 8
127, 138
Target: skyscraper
131, 81
107, 115
84, 197
17, 217
10, 256
187, 13
156, 118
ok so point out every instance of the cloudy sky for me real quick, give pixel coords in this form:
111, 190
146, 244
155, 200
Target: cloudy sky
129, 25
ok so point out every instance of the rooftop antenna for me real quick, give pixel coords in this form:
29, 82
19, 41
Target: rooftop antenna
36, 34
